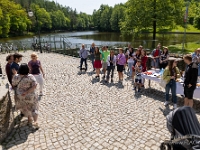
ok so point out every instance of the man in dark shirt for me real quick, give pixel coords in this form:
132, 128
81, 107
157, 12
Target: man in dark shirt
92, 50
9, 59
15, 65
191, 75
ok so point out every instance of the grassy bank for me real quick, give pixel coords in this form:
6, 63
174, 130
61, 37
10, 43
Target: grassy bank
189, 28
188, 48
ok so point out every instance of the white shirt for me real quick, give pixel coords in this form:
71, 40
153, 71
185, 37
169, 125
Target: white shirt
114, 60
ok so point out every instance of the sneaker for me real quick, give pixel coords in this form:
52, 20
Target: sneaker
166, 103
175, 106
41, 94
22, 115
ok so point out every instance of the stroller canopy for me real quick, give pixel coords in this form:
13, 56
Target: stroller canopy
185, 121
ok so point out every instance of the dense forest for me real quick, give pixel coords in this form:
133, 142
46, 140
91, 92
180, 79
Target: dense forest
134, 16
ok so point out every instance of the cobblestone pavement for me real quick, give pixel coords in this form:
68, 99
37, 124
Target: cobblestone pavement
79, 112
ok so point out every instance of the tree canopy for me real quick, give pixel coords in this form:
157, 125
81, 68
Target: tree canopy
48, 16
135, 16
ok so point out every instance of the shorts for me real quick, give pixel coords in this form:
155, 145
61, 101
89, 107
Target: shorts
189, 92
104, 65
120, 68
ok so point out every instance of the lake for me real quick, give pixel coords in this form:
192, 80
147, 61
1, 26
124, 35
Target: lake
104, 38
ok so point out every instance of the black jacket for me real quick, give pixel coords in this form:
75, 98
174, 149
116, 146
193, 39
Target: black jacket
191, 75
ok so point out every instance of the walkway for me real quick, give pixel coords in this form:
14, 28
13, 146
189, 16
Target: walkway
80, 113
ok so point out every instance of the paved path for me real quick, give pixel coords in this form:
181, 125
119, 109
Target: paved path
80, 113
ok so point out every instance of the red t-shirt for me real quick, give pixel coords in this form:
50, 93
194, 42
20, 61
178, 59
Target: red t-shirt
156, 53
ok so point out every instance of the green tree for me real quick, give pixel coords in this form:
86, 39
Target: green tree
152, 15
117, 17
59, 20
105, 15
42, 16
13, 20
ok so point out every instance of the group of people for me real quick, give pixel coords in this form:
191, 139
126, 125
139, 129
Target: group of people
136, 61
24, 79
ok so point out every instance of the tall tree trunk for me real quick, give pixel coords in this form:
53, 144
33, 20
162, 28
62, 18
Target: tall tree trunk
154, 26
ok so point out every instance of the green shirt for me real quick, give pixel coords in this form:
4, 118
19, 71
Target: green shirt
105, 55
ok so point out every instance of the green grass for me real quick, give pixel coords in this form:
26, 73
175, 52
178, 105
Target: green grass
190, 28
188, 48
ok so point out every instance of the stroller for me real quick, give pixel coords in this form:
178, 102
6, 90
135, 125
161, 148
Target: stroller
184, 128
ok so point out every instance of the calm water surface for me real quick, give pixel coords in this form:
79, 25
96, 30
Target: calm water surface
105, 38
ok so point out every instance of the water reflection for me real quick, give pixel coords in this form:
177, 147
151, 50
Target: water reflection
105, 38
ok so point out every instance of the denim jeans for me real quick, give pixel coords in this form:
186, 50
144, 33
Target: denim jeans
83, 60
199, 70
171, 85
130, 65
110, 69
92, 60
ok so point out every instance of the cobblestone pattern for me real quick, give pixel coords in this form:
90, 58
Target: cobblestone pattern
79, 112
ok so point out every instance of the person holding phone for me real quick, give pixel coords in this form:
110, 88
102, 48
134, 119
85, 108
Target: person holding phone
170, 74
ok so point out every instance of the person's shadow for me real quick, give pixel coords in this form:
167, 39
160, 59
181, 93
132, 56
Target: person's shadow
18, 135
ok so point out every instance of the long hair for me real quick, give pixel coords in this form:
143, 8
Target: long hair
145, 52
170, 66
139, 53
97, 50
167, 52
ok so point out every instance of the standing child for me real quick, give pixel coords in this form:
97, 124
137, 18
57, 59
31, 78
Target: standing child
111, 63
138, 75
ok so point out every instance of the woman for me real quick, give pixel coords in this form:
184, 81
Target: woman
121, 61
137, 56
97, 61
196, 59
26, 98
144, 59
164, 57
130, 60
9, 60
35, 68
111, 62
171, 73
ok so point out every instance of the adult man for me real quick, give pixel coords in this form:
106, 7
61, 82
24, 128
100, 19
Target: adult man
105, 55
92, 50
15, 65
191, 75
155, 56
9, 59
83, 55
